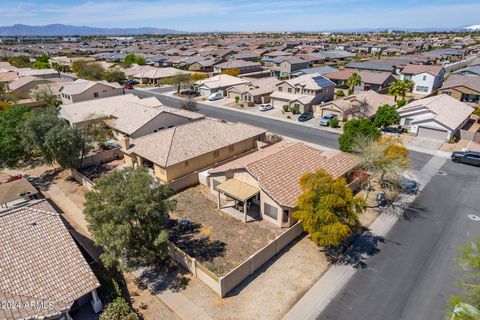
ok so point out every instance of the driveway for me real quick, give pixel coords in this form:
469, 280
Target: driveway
425, 143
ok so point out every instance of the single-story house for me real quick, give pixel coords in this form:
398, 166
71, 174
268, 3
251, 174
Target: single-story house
359, 105
257, 91
17, 192
152, 75
23, 85
128, 115
180, 151
320, 70
81, 90
462, 87
267, 181
369, 65
220, 82
240, 65
437, 117
42, 264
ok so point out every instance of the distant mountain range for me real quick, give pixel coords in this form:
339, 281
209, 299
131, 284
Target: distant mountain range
68, 30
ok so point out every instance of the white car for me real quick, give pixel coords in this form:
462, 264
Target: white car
215, 96
265, 107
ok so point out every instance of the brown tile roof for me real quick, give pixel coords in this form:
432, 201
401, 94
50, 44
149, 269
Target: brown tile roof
184, 142
14, 190
39, 258
340, 75
456, 80
420, 68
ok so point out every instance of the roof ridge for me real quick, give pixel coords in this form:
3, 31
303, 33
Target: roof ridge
27, 207
170, 146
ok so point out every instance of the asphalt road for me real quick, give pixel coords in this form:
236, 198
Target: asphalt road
295, 131
413, 274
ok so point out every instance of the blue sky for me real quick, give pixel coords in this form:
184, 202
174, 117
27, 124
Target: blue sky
243, 15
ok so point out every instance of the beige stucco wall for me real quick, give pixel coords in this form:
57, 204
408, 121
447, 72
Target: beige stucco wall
103, 92
458, 91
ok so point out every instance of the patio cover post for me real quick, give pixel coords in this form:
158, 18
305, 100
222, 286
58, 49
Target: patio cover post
245, 210
218, 203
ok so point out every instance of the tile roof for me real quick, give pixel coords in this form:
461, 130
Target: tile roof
17, 84
184, 142
370, 100
367, 65
444, 109
374, 77
236, 64
220, 81
81, 85
313, 81
421, 68
455, 80
39, 259
279, 174
13, 190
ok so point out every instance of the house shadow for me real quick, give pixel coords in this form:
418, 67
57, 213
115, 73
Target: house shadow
44, 181
162, 277
242, 285
188, 238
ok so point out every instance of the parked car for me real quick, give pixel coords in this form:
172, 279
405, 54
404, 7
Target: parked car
215, 96
128, 86
190, 93
265, 107
391, 131
468, 157
305, 116
325, 120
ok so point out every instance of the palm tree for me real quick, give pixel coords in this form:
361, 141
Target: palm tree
400, 88
353, 81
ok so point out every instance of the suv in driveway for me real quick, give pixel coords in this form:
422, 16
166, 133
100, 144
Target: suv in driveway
325, 120
468, 157
305, 116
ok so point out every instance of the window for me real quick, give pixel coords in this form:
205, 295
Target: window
424, 78
270, 211
216, 154
408, 121
422, 89
289, 89
95, 94
231, 148
407, 77
286, 214
297, 105
280, 88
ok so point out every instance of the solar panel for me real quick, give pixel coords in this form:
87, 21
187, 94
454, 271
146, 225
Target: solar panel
323, 82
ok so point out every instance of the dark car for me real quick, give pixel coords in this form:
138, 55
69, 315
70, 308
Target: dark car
190, 93
305, 116
391, 130
468, 157
128, 86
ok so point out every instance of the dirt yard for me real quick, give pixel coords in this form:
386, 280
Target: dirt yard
271, 291
218, 240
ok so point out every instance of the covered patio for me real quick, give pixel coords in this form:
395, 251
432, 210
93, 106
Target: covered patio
242, 194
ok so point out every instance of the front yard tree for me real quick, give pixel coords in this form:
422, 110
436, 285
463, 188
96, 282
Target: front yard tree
179, 80
386, 115
353, 81
11, 123
327, 208
357, 128
399, 88
114, 75
467, 306
127, 212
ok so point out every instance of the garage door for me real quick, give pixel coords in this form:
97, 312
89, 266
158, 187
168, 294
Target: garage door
327, 112
279, 103
204, 92
430, 133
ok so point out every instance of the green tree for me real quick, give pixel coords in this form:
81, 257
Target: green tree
399, 88
40, 65
114, 75
469, 261
43, 58
355, 128
327, 208
95, 130
385, 116
127, 212
65, 144
353, 81
88, 70
118, 309
179, 80
132, 58
12, 151
45, 95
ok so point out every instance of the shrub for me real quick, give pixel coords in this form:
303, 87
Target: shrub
237, 98
401, 102
340, 93
295, 110
334, 123
285, 108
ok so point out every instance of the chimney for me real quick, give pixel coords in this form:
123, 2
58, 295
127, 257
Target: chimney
125, 142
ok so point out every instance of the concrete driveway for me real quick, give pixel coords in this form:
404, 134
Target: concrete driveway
425, 143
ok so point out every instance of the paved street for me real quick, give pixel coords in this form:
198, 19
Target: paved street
302, 133
413, 274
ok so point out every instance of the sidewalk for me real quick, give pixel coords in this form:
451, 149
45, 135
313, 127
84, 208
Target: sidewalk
311, 305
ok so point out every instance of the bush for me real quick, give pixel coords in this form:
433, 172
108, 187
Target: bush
354, 128
295, 110
401, 102
286, 108
237, 98
118, 309
340, 93
334, 123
